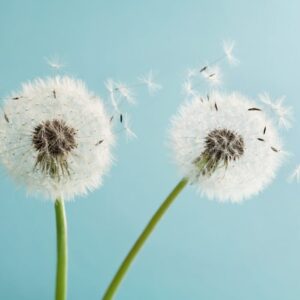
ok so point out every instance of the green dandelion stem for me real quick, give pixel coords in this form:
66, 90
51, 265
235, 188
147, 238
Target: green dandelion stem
62, 251
111, 290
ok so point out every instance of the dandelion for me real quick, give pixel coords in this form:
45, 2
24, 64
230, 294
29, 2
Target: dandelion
49, 137
228, 47
150, 83
283, 114
56, 140
295, 174
226, 146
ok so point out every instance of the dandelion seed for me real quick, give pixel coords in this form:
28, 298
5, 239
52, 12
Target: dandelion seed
213, 75
228, 47
220, 151
203, 69
55, 63
254, 109
283, 114
151, 84
188, 89
125, 92
295, 174
192, 73
127, 126
110, 86
56, 146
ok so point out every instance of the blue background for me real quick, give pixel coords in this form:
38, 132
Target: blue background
202, 249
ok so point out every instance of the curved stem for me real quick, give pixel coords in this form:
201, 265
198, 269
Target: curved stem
142, 239
62, 251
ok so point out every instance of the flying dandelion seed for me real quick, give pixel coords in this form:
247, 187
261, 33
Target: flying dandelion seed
188, 89
110, 86
213, 75
119, 91
223, 147
228, 47
149, 81
51, 138
192, 73
295, 174
283, 114
127, 126
125, 91
55, 63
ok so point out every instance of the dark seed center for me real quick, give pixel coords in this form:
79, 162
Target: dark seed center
53, 140
221, 147
54, 137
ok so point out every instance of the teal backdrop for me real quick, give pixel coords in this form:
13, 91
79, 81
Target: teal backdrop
202, 249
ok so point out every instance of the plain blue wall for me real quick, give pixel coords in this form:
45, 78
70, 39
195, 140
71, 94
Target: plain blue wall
202, 249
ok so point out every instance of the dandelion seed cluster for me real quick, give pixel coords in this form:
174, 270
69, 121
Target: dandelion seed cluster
225, 145
56, 138
221, 147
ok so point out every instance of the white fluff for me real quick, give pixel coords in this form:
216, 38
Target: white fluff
80, 109
242, 178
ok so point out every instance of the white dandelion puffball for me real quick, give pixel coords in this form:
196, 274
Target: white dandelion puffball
56, 138
225, 145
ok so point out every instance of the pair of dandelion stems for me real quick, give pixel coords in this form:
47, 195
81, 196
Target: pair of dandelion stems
111, 290
62, 251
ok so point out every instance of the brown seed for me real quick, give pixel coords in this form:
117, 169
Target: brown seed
6, 118
274, 149
203, 69
100, 142
254, 109
265, 129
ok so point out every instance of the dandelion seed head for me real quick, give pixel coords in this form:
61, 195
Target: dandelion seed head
50, 139
224, 146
